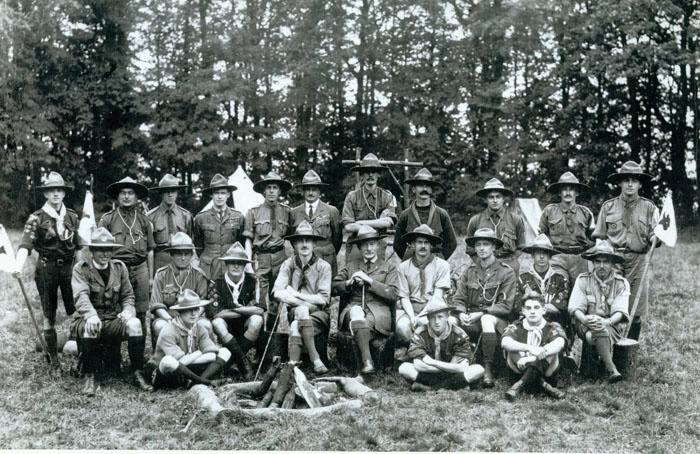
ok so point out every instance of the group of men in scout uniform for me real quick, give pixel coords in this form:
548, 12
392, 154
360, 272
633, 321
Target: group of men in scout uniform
220, 279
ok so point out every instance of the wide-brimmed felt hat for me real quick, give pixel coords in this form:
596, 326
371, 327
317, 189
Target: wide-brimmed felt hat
540, 243
304, 230
102, 238
311, 180
604, 249
435, 305
494, 184
168, 183
236, 253
567, 179
127, 183
369, 163
219, 181
423, 176
484, 234
424, 231
271, 177
365, 233
629, 169
180, 242
55, 181
188, 299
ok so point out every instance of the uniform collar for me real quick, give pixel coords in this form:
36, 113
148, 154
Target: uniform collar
230, 282
298, 264
566, 209
629, 202
313, 205
167, 207
496, 214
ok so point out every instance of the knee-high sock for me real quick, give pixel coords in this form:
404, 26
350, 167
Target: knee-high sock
362, 338
136, 346
51, 342
294, 345
213, 368
246, 344
635, 328
489, 342
604, 348
306, 328
235, 349
88, 347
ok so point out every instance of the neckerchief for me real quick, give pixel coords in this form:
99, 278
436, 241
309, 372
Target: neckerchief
438, 339
603, 287
58, 217
534, 332
431, 213
234, 288
421, 270
191, 333
304, 268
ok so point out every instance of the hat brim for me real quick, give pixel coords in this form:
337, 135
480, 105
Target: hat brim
365, 238
114, 188
311, 185
65, 187
616, 177
234, 259
504, 191
428, 314
294, 237
554, 188
410, 236
612, 257
259, 186
201, 303
168, 188
533, 249
418, 181
368, 168
471, 241
228, 187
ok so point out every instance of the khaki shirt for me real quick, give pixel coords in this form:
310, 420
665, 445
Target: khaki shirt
314, 279
419, 285
455, 345
42, 236
134, 230
627, 225
508, 225
266, 237
588, 297
166, 286
361, 205
172, 341
215, 235
182, 219
95, 297
569, 229
326, 223
490, 289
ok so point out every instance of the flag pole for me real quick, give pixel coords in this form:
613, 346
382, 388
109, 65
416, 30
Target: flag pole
647, 261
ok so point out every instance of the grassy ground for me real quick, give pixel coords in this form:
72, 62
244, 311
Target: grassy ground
656, 412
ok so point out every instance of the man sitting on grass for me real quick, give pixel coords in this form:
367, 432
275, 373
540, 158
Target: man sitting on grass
185, 352
441, 352
599, 302
532, 347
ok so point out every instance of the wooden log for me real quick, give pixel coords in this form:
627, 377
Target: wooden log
284, 382
351, 386
353, 404
308, 392
206, 399
625, 356
246, 387
268, 378
326, 387
265, 402
288, 402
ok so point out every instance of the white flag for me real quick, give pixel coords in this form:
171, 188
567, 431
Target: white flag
666, 230
7, 254
87, 223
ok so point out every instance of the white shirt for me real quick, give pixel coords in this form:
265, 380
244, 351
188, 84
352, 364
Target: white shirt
312, 205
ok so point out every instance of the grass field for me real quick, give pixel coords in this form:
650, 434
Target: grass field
656, 412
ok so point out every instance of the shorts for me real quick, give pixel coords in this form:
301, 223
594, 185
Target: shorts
445, 380
113, 330
138, 276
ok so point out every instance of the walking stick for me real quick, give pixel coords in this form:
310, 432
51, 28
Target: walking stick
42, 341
639, 292
262, 358
363, 296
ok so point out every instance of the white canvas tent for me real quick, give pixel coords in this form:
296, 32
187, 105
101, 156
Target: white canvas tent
244, 198
531, 211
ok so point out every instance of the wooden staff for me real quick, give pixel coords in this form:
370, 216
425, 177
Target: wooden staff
647, 261
42, 341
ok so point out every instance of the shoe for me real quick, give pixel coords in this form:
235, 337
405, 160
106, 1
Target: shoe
488, 375
246, 368
515, 390
141, 381
401, 355
552, 391
368, 367
419, 387
89, 388
615, 377
320, 368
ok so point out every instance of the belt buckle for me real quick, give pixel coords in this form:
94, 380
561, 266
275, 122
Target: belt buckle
59, 262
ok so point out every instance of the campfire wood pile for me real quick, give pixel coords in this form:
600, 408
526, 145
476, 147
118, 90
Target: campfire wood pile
284, 389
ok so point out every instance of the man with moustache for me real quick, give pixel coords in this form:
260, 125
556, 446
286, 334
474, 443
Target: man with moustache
369, 205
304, 286
628, 222
424, 211
53, 232
265, 228
134, 231
568, 225
484, 297
508, 225
217, 228
324, 218
168, 218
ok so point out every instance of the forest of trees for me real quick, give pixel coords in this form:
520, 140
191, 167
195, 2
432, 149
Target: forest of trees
520, 89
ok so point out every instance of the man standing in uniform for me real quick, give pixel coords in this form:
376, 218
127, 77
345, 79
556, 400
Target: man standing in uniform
370, 205
216, 229
168, 218
424, 211
53, 232
134, 231
508, 225
265, 228
104, 303
569, 226
484, 297
304, 285
628, 222
324, 218
372, 286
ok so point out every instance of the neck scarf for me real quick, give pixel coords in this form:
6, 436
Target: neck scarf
421, 270
534, 332
304, 268
438, 339
603, 288
58, 217
191, 333
234, 288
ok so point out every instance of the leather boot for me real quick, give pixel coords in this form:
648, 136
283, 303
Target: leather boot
89, 387
488, 374
88, 347
529, 375
551, 390
245, 344
141, 381
361, 338
241, 360
635, 329
488, 350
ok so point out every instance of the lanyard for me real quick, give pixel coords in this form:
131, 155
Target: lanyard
181, 286
129, 228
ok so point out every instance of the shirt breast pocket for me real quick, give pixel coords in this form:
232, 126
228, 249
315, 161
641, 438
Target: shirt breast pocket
557, 224
322, 226
508, 238
263, 228
209, 231
232, 226
160, 233
614, 224
169, 295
